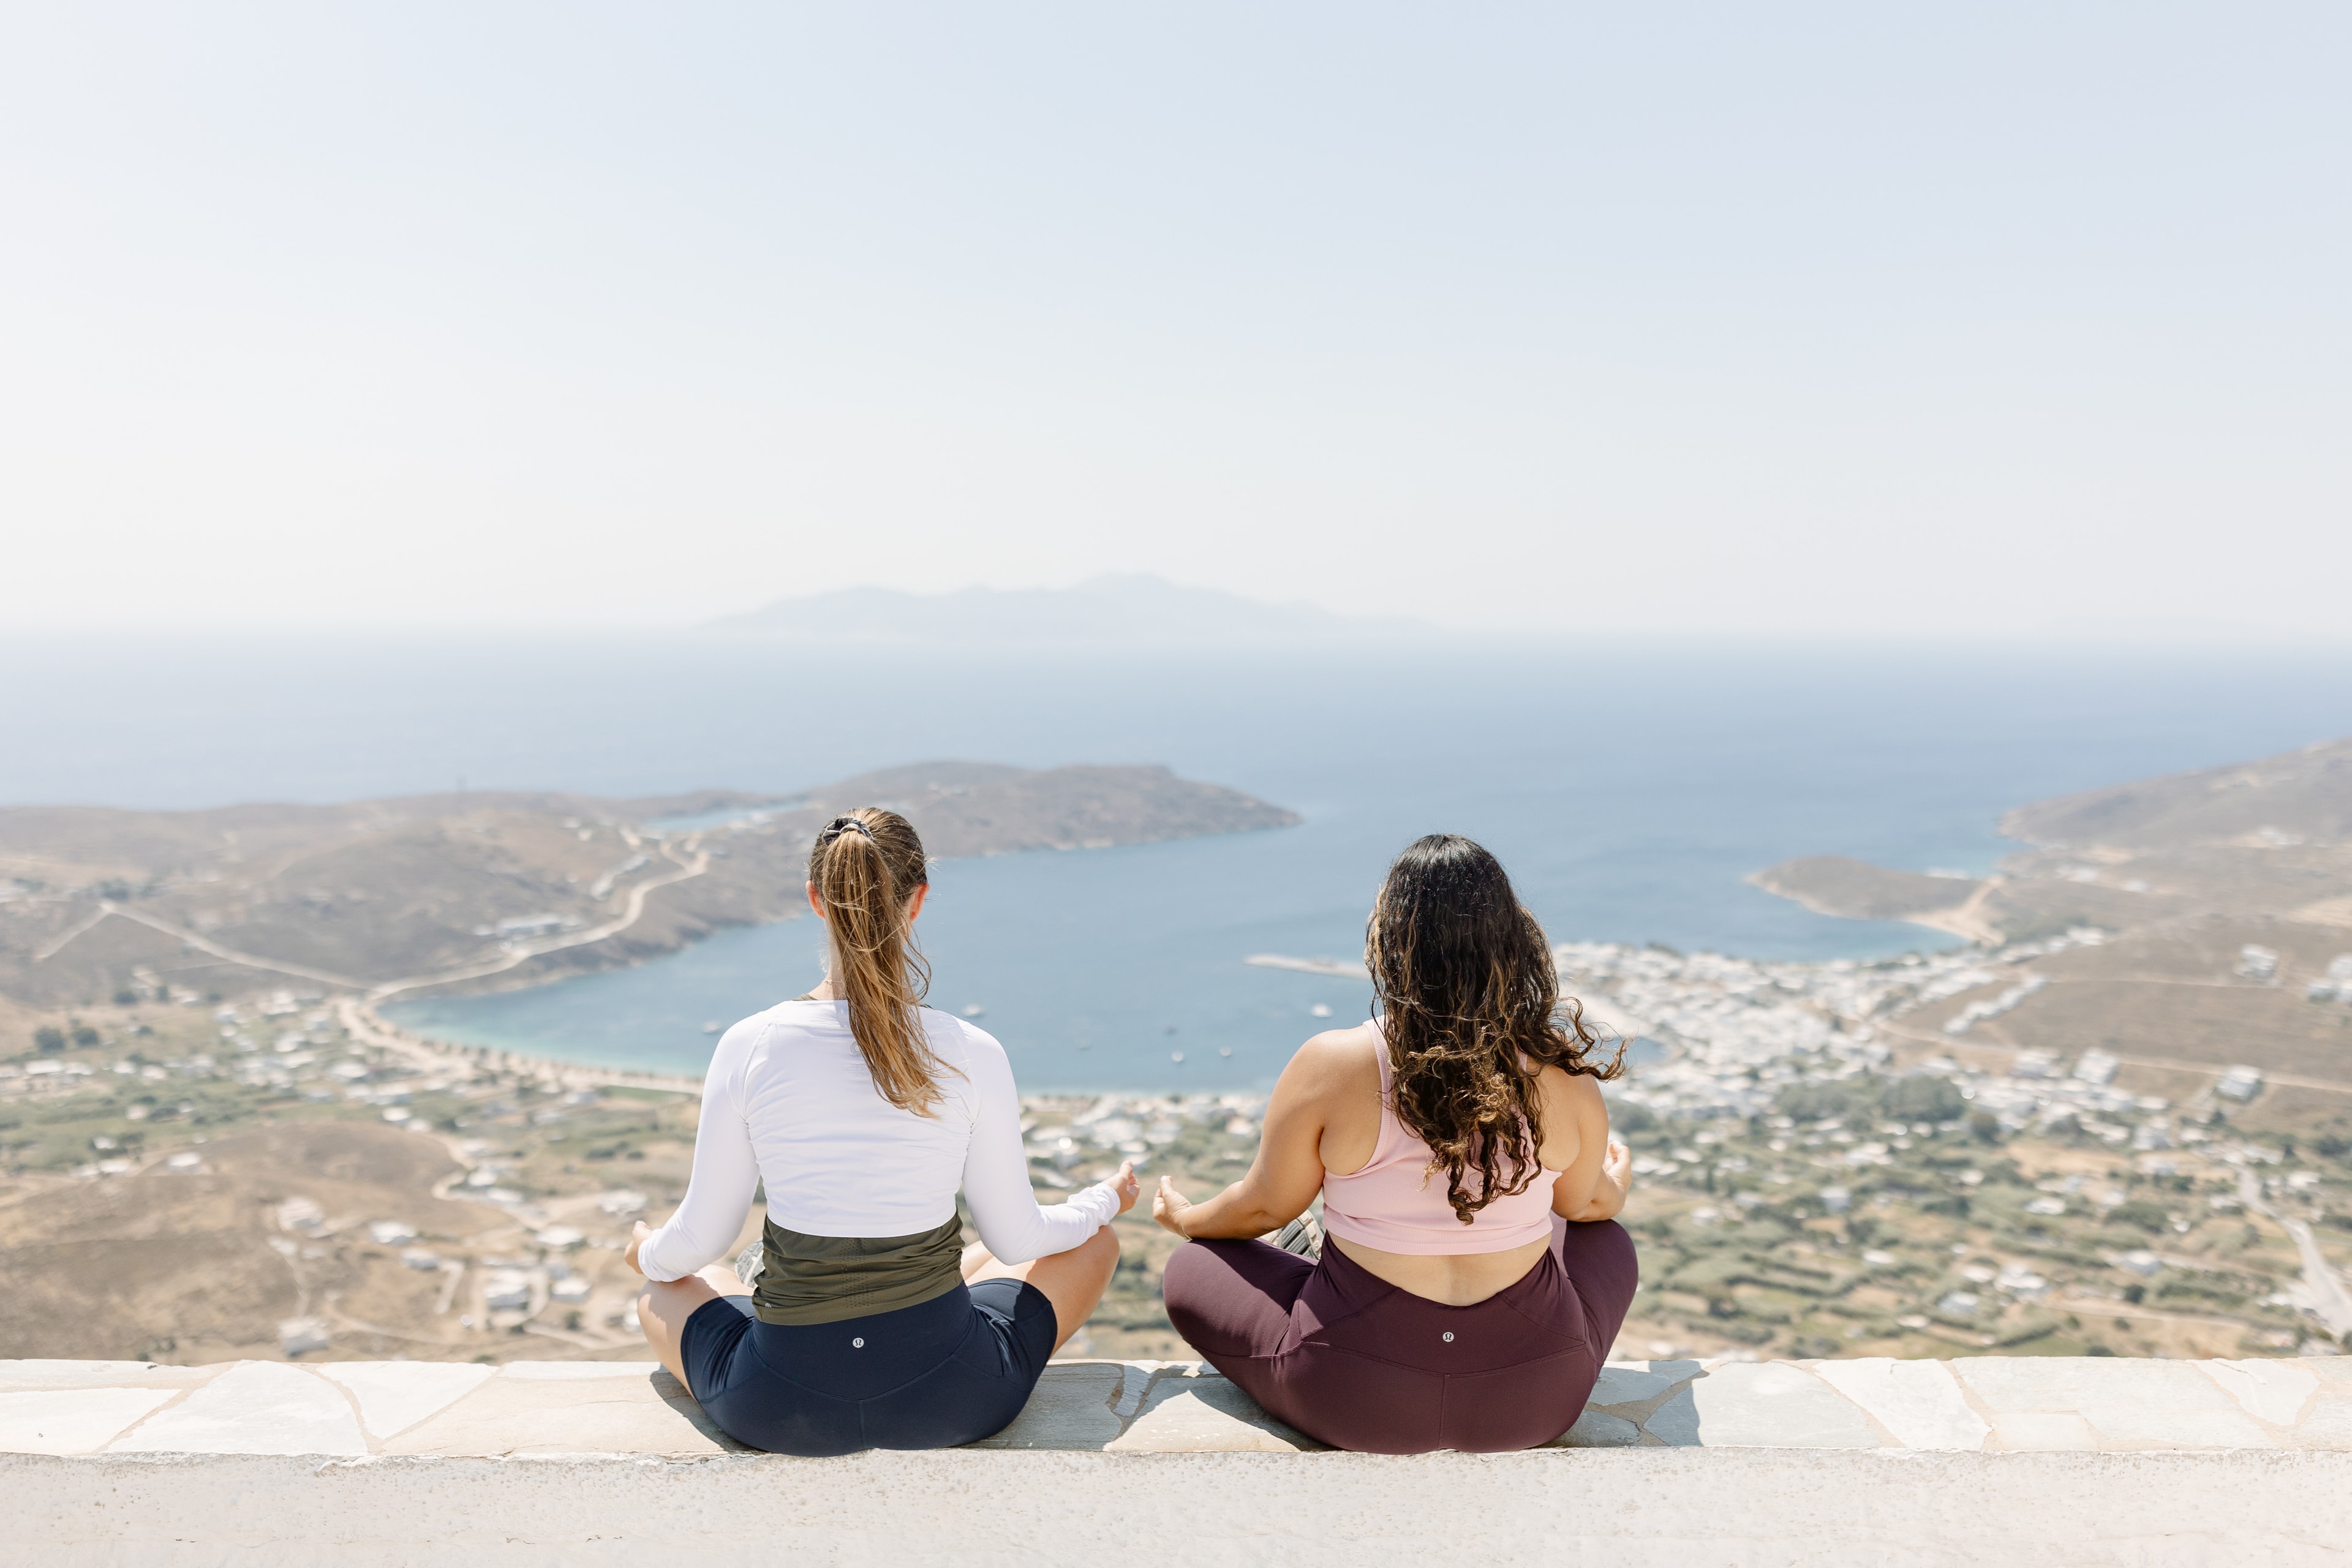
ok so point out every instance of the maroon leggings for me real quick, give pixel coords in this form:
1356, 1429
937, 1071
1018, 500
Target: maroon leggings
1352, 1361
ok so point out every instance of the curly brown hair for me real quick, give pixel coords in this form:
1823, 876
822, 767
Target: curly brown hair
1470, 1005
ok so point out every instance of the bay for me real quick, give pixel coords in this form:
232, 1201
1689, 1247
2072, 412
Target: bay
1629, 787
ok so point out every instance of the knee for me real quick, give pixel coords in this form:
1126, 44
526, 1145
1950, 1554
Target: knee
1197, 1264
1212, 1307
648, 1321
1101, 1248
1181, 1280
1620, 1244
1611, 1255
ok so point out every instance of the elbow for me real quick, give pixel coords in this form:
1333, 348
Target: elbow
1039, 1243
1602, 1204
1027, 1247
649, 1263
677, 1244
1600, 1207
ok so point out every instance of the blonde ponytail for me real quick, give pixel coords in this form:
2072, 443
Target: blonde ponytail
865, 867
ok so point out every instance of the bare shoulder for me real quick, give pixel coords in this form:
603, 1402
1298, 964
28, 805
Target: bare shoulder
1575, 1093
1336, 1060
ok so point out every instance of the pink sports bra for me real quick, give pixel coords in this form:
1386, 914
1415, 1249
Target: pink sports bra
1394, 1204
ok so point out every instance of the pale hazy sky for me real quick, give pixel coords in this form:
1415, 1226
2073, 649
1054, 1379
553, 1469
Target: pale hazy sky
1993, 319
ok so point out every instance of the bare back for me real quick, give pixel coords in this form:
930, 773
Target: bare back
1325, 1116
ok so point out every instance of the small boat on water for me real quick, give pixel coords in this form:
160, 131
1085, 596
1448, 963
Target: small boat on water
1176, 1057
974, 1010
712, 1025
1225, 1050
1320, 1010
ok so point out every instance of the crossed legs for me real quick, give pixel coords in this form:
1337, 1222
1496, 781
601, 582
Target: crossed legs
664, 1308
1073, 1280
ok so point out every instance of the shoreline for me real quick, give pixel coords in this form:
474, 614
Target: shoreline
369, 1027
576, 1073
1956, 921
1962, 920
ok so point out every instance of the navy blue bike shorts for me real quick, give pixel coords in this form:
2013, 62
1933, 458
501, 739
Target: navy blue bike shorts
951, 1370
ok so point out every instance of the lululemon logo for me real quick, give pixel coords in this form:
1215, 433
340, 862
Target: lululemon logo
860, 1344
1447, 1336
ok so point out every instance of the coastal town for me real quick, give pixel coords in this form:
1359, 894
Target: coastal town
2109, 1115
1825, 1165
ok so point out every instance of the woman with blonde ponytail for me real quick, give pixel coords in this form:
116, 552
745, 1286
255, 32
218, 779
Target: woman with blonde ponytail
867, 1322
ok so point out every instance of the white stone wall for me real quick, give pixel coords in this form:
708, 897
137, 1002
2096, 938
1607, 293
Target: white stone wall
2024, 1460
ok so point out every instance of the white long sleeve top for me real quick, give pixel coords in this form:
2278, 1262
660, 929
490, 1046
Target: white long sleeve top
788, 1099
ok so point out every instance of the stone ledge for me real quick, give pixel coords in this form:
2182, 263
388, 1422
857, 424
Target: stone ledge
1987, 1405
1676, 1464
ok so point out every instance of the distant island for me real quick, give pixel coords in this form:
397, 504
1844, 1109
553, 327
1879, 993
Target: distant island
1109, 611
493, 889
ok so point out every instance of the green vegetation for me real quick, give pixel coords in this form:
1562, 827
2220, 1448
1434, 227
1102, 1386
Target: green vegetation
1835, 1228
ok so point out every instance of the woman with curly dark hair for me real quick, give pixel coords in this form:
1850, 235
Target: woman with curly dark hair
1473, 1274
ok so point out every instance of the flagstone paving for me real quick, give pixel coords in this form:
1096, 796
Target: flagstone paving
1987, 1404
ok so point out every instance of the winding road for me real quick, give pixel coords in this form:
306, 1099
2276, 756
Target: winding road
523, 952
358, 1011
2321, 1288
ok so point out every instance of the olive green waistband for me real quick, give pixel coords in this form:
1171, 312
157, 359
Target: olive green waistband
825, 1279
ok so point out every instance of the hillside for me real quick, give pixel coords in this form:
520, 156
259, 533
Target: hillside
197, 1264
978, 808
2221, 905
495, 889
2302, 795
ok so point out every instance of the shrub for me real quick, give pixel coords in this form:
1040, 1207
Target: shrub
1922, 1098
1626, 1116
49, 1038
1818, 1101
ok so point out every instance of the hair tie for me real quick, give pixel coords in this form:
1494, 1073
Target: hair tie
841, 824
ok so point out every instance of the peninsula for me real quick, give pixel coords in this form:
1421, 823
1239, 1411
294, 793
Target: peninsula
2221, 905
488, 891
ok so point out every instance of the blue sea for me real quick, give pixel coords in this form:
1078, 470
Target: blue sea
1628, 786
